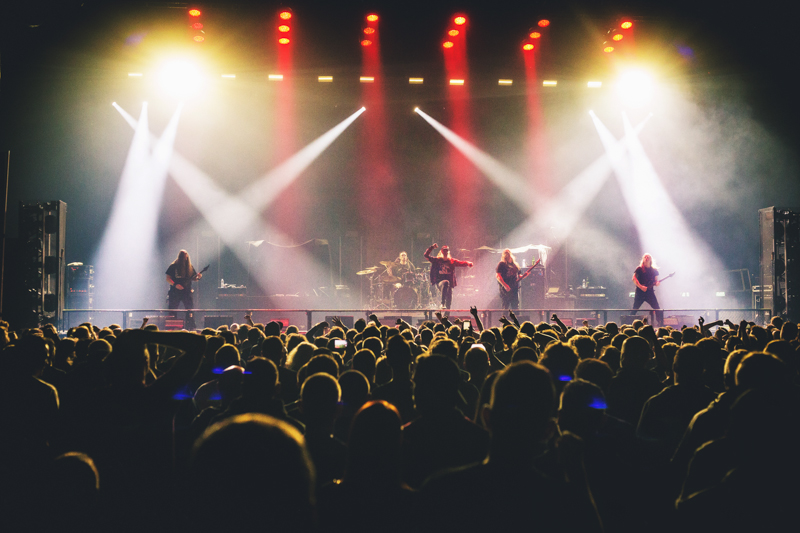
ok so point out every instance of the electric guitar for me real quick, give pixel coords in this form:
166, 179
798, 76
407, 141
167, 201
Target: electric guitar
185, 281
665, 278
520, 277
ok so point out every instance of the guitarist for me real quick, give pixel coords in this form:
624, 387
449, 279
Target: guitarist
508, 276
645, 277
180, 275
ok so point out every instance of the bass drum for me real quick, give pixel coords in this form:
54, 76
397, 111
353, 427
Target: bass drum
405, 298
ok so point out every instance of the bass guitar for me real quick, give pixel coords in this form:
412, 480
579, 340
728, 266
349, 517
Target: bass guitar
520, 277
665, 278
185, 281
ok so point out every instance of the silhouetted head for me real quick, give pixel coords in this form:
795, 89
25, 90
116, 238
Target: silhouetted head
320, 395
398, 354
688, 364
261, 380
355, 389
373, 454
583, 407
436, 381
252, 472
364, 361
635, 353
522, 408
595, 371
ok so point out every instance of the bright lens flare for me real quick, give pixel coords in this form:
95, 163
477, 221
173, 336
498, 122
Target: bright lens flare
608, 49
460, 21
372, 18
180, 78
283, 40
626, 25
528, 46
194, 13
285, 15
635, 88
283, 28
617, 37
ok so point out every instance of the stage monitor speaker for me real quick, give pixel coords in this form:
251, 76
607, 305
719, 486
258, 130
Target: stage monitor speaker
215, 321
679, 321
171, 324
346, 320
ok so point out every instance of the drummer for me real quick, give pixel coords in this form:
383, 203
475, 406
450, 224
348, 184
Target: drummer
401, 266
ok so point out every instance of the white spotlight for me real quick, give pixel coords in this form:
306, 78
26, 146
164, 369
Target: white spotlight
635, 88
180, 78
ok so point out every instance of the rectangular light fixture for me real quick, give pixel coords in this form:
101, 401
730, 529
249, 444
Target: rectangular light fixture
505, 82
415, 81
721, 294
135, 74
594, 84
229, 76
365, 79
325, 79
549, 83
456, 82
276, 77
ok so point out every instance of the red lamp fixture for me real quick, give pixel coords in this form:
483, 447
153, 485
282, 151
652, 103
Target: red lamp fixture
196, 26
284, 26
544, 23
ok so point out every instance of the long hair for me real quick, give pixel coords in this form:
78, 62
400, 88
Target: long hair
652, 261
509, 258
183, 264
400, 258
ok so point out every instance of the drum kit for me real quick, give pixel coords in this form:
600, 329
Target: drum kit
409, 290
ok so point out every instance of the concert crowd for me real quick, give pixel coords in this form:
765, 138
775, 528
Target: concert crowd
393, 427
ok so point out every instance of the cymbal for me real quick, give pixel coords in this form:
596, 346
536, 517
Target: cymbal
388, 279
366, 271
485, 248
387, 263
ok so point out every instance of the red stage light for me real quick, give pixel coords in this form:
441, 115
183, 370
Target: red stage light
626, 25
544, 23
535, 35
527, 46
452, 33
460, 21
194, 13
372, 17
448, 44
283, 28
617, 37
283, 40
366, 42
285, 15
608, 49
369, 31
199, 38
197, 25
